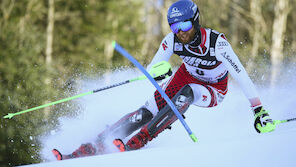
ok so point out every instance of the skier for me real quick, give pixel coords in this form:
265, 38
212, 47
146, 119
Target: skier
201, 80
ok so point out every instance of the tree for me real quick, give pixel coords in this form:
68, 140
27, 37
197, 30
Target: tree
257, 32
281, 10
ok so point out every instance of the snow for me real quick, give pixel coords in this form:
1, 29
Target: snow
226, 136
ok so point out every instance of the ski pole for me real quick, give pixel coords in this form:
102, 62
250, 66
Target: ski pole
160, 69
283, 121
122, 51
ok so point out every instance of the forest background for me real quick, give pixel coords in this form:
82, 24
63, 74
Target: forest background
46, 46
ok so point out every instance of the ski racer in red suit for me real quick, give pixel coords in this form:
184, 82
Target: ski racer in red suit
201, 80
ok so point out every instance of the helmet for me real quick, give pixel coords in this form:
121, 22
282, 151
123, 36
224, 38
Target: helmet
184, 10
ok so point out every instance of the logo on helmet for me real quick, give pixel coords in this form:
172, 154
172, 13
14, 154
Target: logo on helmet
175, 9
175, 12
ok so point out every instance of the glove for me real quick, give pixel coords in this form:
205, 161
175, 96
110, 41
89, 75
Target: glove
163, 76
263, 123
161, 70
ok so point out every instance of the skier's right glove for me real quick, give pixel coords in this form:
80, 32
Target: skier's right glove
164, 76
263, 123
161, 70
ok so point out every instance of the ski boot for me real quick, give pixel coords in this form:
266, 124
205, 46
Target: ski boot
120, 145
136, 142
60, 156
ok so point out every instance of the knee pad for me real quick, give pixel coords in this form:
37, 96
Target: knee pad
141, 116
129, 123
183, 99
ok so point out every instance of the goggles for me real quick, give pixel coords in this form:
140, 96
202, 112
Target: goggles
183, 26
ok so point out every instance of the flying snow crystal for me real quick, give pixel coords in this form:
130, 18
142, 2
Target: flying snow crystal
52, 132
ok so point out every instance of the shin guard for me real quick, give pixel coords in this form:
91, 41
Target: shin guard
164, 118
128, 124
124, 127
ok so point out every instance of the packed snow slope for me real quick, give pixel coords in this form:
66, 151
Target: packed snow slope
226, 136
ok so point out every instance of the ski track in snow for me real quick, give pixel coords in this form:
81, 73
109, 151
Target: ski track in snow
218, 127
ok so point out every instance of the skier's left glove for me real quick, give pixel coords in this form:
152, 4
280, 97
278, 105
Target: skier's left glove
263, 123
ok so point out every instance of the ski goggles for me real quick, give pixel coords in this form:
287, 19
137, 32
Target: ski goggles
182, 25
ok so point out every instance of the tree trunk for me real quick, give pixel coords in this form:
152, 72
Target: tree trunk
49, 32
153, 22
257, 31
49, 45
108, 52
281, 10
6, 8
233, 27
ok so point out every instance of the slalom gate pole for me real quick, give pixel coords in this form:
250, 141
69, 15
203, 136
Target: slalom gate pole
122, 51
157, 70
